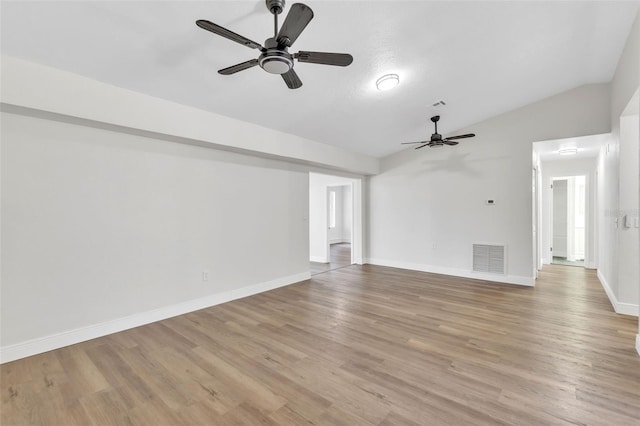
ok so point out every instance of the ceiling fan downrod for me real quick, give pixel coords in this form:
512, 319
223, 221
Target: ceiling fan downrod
275, 7
435, 120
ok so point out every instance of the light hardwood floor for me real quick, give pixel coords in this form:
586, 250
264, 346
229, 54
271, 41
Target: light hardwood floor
357, 346
340, 256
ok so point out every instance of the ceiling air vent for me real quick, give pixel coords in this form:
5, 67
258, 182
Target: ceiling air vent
489, 258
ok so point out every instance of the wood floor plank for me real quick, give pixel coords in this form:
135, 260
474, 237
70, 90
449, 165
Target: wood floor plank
361, 345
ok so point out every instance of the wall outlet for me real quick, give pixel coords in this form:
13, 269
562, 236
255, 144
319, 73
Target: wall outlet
205, 275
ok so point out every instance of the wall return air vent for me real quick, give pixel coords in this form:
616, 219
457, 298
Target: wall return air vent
489, 258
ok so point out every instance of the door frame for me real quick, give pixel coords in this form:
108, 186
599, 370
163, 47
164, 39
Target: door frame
536, 220
320, 193
587, 212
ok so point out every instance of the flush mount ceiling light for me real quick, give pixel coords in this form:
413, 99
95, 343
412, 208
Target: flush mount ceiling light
387, 82
568, 151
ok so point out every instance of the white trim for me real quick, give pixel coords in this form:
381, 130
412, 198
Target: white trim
590, 265
318, 259
619, 307
638, 343
339, 241
508, 279
70, 337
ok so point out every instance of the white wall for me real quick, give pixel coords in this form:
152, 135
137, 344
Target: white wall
607, 174
26, 85
617, 176
427, 207
619, 247
100, 227
628, 247
176, 201
347, 213
318, 210
563, 168
318, 222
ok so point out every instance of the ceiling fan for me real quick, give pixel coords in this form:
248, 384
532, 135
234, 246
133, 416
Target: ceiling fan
275, 57
437, 140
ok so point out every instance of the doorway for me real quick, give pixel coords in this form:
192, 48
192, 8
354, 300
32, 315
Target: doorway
334, 222
568, 220
339, 218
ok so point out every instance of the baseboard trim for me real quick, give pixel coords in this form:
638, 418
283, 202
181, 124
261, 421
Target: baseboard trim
318, 259
619, 307
71, 337
507, 279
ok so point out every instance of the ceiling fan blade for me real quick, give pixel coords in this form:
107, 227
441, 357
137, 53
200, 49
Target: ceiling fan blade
296, 21
468, 135
406, 143
221, 31
291, 78
422, 146
325, 58
238, 67
448, 142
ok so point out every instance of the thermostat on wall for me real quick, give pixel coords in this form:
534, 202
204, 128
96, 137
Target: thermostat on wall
490, 202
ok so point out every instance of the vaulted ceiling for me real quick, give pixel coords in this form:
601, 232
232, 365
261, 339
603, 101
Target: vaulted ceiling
481, 58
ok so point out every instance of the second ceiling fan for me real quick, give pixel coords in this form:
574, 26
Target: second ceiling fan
436, 140
275, 57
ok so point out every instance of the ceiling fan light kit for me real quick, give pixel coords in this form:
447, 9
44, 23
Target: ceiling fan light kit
437, 141
274, 61
275, 57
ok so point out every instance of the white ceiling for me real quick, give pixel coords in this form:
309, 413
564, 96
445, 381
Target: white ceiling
482, 58
587, 146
